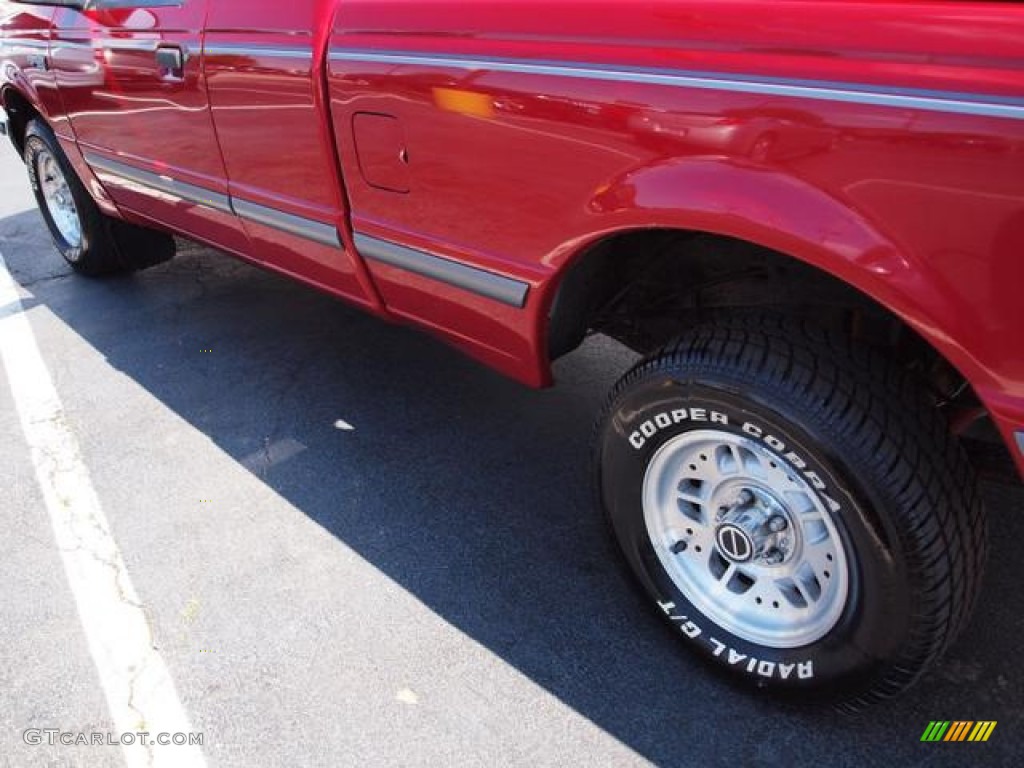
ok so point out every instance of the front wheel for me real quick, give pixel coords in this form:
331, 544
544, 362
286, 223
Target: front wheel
793, 507
92, 243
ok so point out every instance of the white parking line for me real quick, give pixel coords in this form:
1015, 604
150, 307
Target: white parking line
138, 687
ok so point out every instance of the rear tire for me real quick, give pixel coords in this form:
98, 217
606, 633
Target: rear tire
793, 507
92, 243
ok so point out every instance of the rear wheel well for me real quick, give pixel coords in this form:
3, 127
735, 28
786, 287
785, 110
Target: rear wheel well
644, 288
639, 287
20, 113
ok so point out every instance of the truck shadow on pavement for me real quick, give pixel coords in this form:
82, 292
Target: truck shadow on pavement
472, 493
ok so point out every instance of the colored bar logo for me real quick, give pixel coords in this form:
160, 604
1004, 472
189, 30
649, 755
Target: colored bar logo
958, 730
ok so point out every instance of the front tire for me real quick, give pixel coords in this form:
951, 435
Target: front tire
793, 507
92, 243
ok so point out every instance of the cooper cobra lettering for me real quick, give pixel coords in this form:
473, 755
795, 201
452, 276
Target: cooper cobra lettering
648, 429
639, 437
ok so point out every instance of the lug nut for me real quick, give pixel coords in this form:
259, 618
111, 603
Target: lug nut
777, 523
773, 556
679, 546
746, 498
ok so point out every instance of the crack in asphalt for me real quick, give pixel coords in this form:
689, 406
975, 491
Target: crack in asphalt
52, 278
102, 549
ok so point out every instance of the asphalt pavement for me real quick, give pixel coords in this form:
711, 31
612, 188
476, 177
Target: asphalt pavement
356, 547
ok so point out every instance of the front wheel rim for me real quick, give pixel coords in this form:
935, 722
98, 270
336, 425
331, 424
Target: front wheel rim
60, 204
745, 538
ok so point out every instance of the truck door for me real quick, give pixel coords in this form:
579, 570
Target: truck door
131, 79
264, 69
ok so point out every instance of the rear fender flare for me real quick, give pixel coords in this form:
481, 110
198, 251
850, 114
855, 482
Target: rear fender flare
748, 202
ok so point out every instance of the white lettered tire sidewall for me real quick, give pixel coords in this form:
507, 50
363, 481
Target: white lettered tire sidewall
38, 142
650, 411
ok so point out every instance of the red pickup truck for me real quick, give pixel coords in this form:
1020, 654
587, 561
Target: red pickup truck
806, 215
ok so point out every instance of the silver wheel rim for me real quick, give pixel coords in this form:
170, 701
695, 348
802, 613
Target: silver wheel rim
745, 538
57, 195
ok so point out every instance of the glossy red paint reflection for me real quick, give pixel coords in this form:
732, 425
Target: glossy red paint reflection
920, 209
495, 163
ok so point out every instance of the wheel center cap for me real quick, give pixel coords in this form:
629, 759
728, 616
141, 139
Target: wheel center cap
734, 543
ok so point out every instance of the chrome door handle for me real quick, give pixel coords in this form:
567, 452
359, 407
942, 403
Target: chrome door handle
171, 62
39, 61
